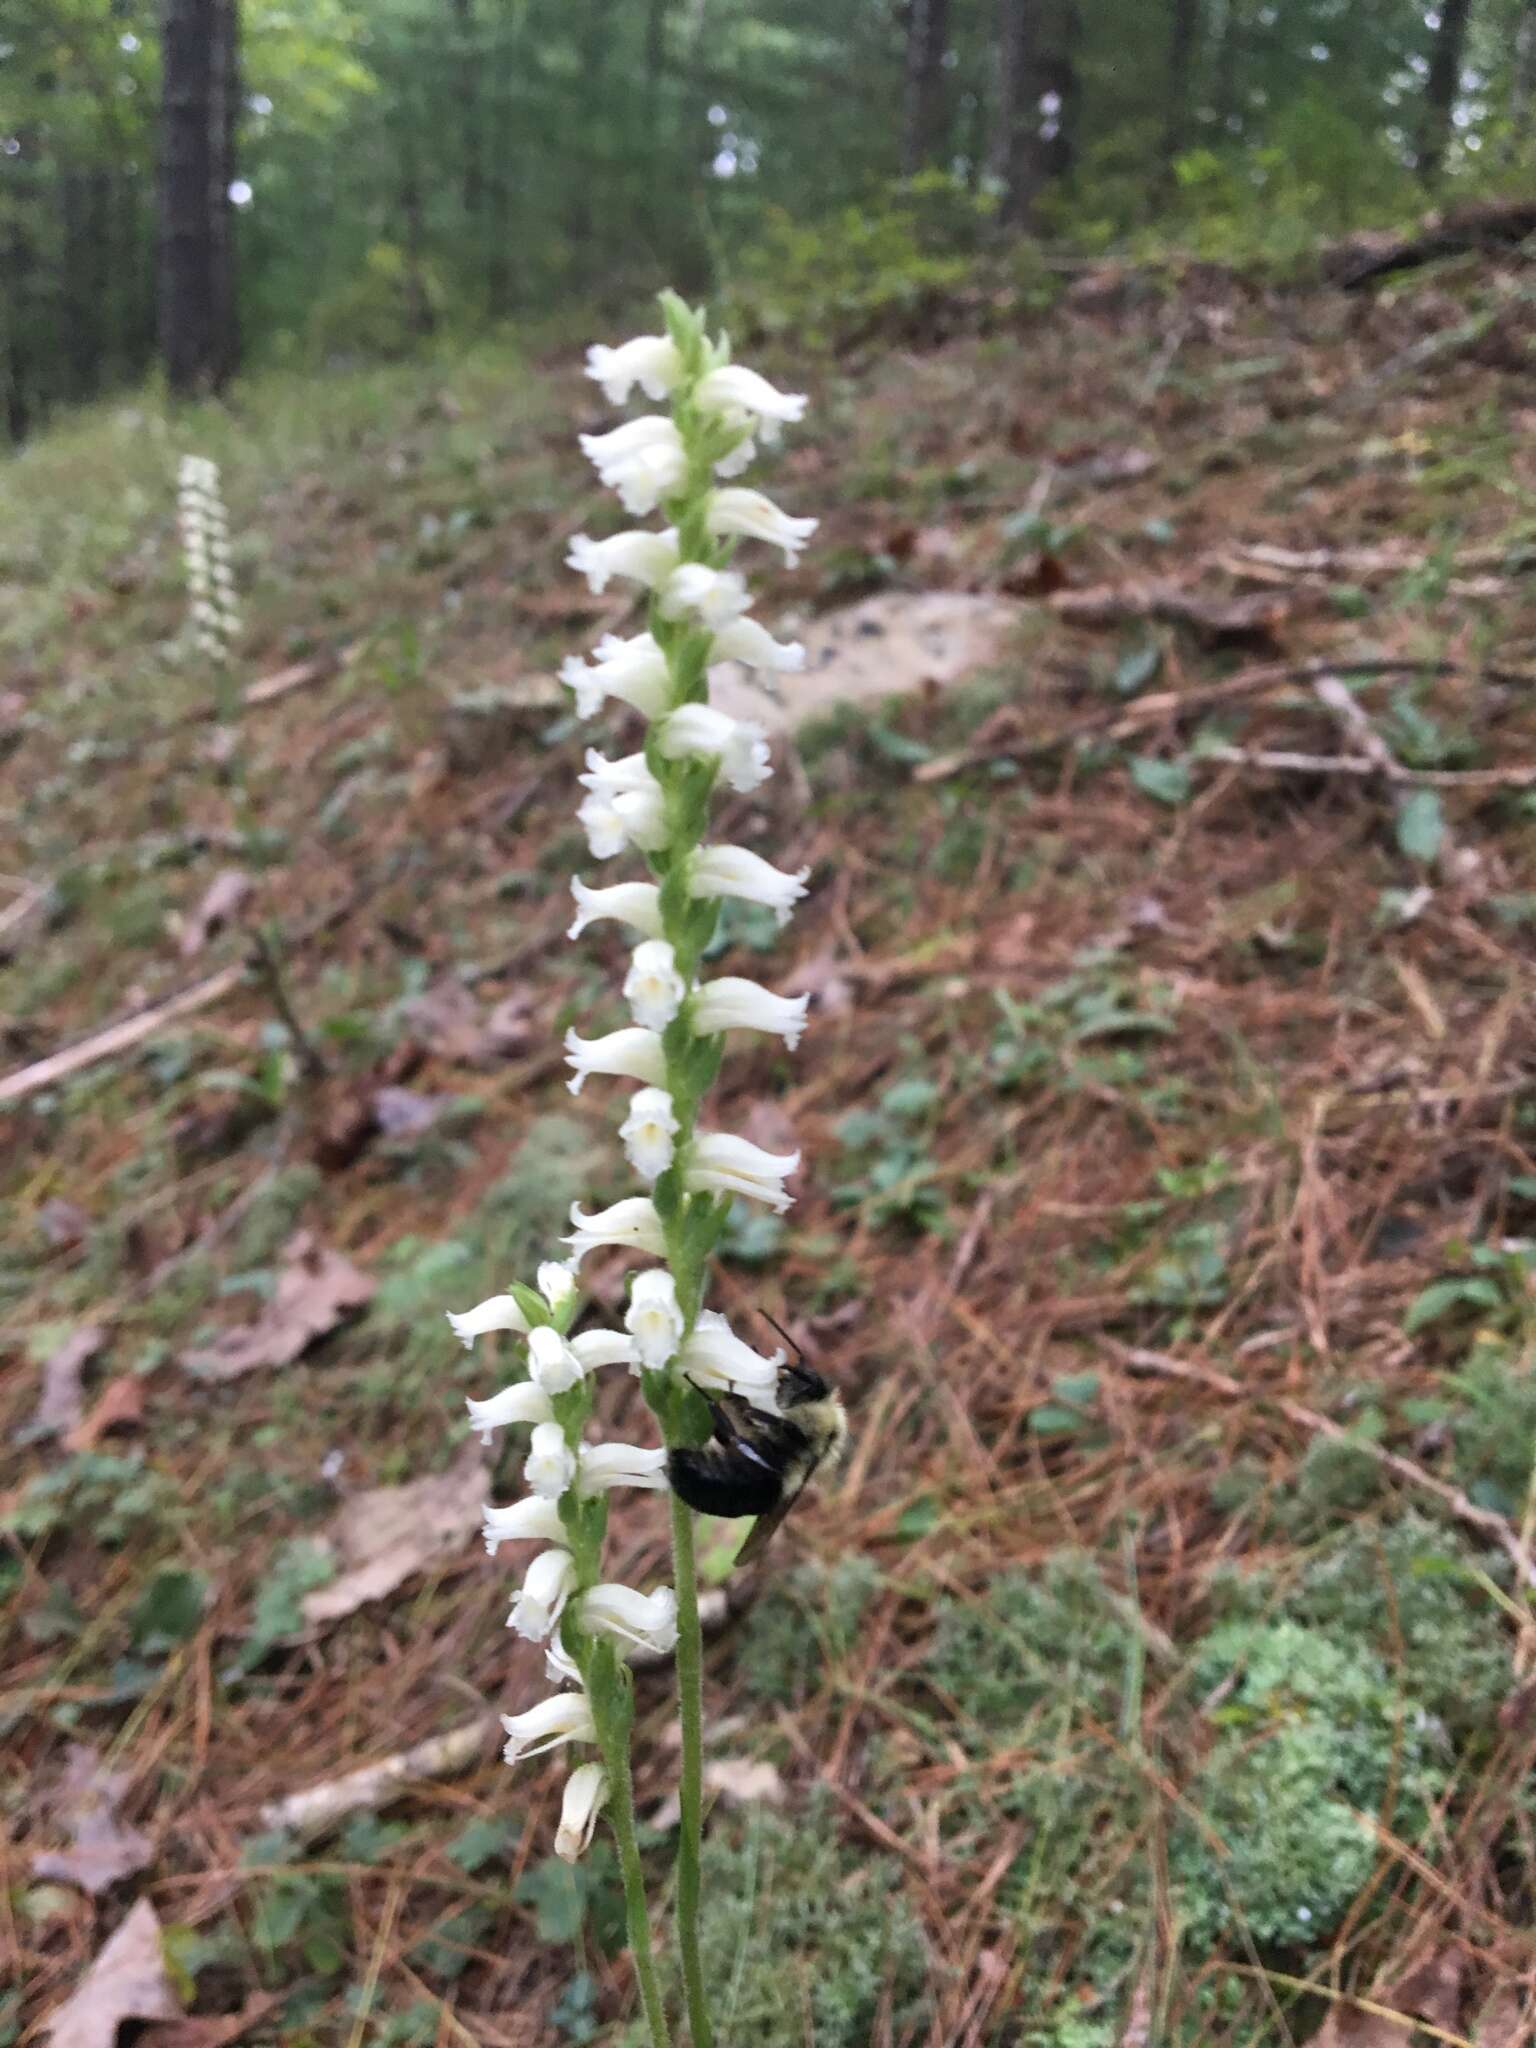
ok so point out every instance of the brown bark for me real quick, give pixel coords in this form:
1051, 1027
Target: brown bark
927, 42
195, 296
1441, 85
1183, 37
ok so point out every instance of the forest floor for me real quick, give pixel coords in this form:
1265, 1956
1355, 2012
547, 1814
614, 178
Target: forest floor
1157, 1669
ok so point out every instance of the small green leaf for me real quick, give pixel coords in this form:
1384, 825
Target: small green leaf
552, 1890
1441, 1297
1049, 1420
1167, 782
918, 1518
170, 1612
1420, 825
1137, 667
480, 1843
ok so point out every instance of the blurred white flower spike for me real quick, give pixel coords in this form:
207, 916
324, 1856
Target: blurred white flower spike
204, 526
648, 807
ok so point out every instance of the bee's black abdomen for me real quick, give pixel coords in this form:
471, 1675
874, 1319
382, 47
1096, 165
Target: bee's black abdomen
722, 1482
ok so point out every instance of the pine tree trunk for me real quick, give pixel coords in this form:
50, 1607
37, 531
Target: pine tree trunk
1015, 121
927, 42
1522, 83
1441, 85
222, 215
191, 123
14, 315
1059, 75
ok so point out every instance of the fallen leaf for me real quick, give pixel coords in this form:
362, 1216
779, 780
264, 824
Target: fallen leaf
102, 1849
62, 1402
739, 1781
120, 1405
1040, 574
294, 677
221, 904
1114, 465
385, 1535
823, 980
1014, 945
1430, 1990
127, 1981
316, 1290
510, 1025
62, 1223
1505, 2021
403, 1113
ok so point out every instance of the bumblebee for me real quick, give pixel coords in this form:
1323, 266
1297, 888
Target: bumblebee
760, 1464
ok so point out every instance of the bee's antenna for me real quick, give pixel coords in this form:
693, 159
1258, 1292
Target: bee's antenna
799, 1354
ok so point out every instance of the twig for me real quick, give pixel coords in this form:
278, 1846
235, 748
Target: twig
319, 1807
269, 962
1283, 761
1484, 1520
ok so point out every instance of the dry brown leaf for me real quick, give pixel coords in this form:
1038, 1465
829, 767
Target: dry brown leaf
102, 1849
120, 1405
387, 1534
403, 1113
127, 1981
63, 1223
1506, 2021
316, 1290
221, 904
62, 1402
1431, 1991
823, 979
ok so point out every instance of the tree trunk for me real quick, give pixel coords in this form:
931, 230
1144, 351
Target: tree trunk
1059, 76
927, 42
1016, 114
195, 270
1441, 85
226, 161
1522, 83
470, 64
14, 313
1183, 36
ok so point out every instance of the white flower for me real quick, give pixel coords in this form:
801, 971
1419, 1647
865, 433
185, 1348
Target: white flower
563, 1717
603, 1347
736, 871
551, 1463
608, 1465
532, 1520
557, 1283
713, 596
547, 1584
648, 1131
632, 1223
586, 1794
524, 1402
733, 387
754, 517
501, 1312
633, 903
552, 1364
732, 1003
639, 1621
644, 461
741, 457
718, 1361
646, 557
624, 806
722, 1165
740, 747
560, 1667
744, 640
633, 1052
633, 670
650, 360
653, 1317
653, 988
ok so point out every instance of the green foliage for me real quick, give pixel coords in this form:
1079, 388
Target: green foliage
113, 1497
806, 1938
805, 1620
299, 1567
1315, 1739
894, 1176
886, 264
569, 1897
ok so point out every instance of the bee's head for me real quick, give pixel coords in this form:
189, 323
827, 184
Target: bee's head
799, 1384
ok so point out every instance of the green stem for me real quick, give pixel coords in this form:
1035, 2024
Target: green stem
690, 1701
621, 1817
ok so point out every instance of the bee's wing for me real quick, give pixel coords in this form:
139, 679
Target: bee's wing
761, 1532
